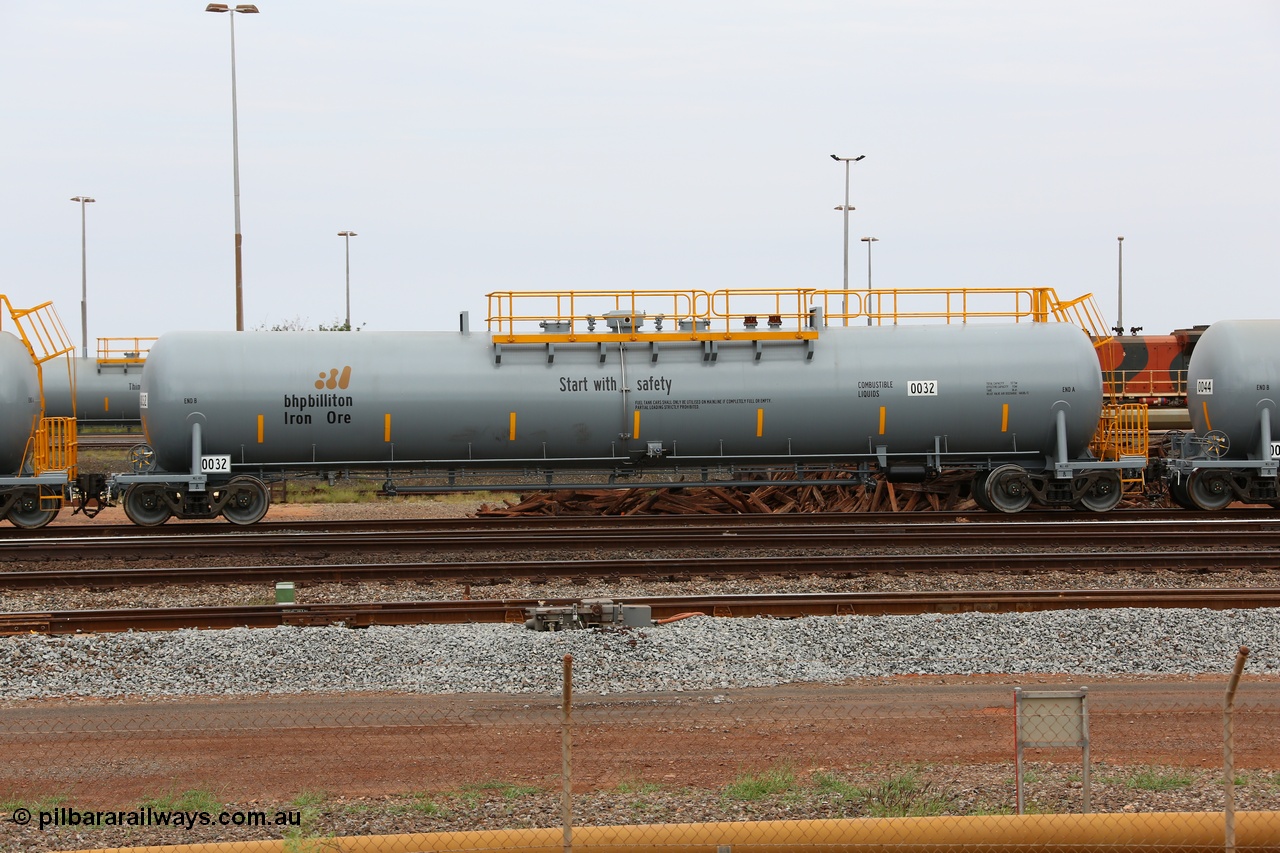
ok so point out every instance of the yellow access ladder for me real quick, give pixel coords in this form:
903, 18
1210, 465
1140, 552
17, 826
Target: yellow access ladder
1123, 430
53, 444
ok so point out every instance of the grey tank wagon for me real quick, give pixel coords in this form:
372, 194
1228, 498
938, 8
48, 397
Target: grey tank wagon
1015, 404
1233, 382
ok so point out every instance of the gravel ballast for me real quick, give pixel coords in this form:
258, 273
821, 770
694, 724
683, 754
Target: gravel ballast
694, 654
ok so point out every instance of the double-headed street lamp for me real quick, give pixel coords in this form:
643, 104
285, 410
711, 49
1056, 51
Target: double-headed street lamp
244, 9
869, 241
347, 235
84, 280
846, 208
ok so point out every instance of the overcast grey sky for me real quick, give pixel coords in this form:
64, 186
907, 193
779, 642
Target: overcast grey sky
477, 147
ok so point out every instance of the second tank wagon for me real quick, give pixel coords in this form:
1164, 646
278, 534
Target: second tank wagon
105, 393
1233, 382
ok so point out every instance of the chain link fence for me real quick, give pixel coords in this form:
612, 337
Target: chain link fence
902, 764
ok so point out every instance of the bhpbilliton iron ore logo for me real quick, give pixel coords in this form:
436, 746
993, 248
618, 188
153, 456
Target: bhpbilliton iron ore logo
334, 379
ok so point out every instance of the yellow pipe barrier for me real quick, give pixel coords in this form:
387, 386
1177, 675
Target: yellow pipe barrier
1162, 832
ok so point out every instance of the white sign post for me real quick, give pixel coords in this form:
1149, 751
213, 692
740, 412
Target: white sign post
1052, 718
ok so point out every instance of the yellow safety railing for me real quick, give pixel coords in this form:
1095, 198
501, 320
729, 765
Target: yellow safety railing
1084, 313
949, 305
752, 314
40, 329
124, 350
1146, 383
747, 310
510, 312
648, 315
963, 305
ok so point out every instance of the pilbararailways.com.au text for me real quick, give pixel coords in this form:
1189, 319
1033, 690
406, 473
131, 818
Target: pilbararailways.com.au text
149, 817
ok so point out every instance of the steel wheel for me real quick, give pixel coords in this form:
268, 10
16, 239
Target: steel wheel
1104, 492
1007, 489
1210, 490
29, 512
978, 486
1178, 494
145, 505
248, 502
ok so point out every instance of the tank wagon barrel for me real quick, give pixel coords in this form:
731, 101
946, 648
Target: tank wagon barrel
1017, 404
19, 401
106, 385
1233, 382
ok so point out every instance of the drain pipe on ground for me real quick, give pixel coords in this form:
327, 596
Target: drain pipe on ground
1184, 832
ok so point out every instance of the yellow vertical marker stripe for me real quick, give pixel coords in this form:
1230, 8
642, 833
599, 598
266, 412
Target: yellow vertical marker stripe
635, 424
1207, 425
1004, 418
106, 404
259, 429
759, 422
882, 420
386, 427
512, 435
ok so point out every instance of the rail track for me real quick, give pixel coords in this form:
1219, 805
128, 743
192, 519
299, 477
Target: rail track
106, 440
512, 610
653, 568
646, 548
1246, 541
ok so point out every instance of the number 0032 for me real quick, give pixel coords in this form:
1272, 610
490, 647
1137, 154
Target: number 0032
215, 464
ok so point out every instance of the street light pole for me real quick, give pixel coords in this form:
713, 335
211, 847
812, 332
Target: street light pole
1120, 287
846, 208
235, 150
346, 236
869, 241
84, 280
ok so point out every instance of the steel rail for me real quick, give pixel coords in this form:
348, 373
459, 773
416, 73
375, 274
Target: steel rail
112, 440
1128, 536
660, 568
512, 610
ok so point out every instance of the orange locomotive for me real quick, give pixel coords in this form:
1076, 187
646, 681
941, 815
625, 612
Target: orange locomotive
1151, 369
